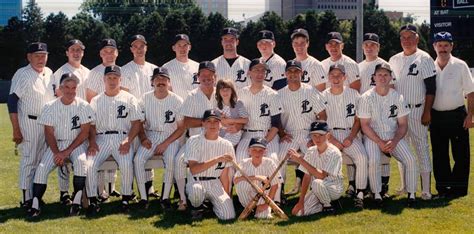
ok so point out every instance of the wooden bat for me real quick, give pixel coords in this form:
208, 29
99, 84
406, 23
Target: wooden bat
261, 193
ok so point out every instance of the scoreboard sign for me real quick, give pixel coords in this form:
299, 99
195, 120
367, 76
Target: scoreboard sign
455, 16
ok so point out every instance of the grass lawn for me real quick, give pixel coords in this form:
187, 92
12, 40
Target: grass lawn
431, 216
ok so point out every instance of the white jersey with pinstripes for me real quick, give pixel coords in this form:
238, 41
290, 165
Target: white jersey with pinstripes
366, 70
266, 168
115, 113
200, 149
341, 109
184, 76
329, 161
66, 119
161, 115
276, 69
352, 69
410, 72
137, 77
95, 80
237, 73
300, 107
313, 72
195, 105
81, 72
383, 111
260, 106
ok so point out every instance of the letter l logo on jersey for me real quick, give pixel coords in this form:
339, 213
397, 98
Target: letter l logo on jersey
304, 105
75, 122
168, 115
120, 110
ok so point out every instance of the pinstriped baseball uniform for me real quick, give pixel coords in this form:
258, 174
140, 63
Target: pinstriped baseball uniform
66, 121
260, 106
137, 78
184, 76
352, 69
200, 149
95, 80
82, 73
113, 122
313, 72
366, 70
276, 69
34, 90
239, 111
383, 112
410, 72
246, 192
161, 120
237, 73
340, 111
328, 189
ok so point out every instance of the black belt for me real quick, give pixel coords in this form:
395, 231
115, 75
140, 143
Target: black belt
204, 178
252, 130
111, 132
414, 105
341, 128
32, 117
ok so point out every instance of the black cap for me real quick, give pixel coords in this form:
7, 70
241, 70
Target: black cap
409, 27
266, 35
179, 37
160, 71
293, 63
256, 62
338, 66
299, 32
230, 31
108, 43
319, 128
37, 47
258, 142
75, 42
443, 36
207, 65
385, 66
67, 77
112, 69
137, 37
211, 114
334, 36
371, 37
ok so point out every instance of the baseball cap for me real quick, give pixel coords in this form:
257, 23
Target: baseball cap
75, 42
299, 32
256, 62
409, 27
114, 69
266, 35
160, 71
207, 65
371, 37
293, 63
137, 37
108, 43
67, 77
211, 114
230, 31
443, 36
319, 128
179, 37
37, 47
338, 66
385, 66
258, 142
334, 36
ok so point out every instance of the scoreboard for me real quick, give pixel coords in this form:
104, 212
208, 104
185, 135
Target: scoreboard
454, 16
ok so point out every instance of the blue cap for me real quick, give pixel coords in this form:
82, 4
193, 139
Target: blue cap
258, 142
37, 47
230, 31
160, 71
443, 36
293, 63
112, 69
409, 27
334, 36
207, 65
319, 128
211, 114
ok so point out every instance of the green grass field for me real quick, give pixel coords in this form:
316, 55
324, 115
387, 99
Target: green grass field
451, 216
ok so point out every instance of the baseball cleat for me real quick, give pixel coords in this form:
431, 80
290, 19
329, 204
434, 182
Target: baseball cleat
196, 214
125, 207
75, 210
34, 213
182, 206
359, 203
411, 202
66, 199
350, 192
426, 196
93, 209
143, 204
115, 193
328, 210
165, 205
154, 194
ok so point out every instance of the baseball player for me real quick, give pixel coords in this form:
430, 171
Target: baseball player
182, 68
208, 157
66, 122
117, 123
450, 120
383, 114
341, 105
163, 126
31, 89
313, 71
276, 64
230, 65
322, 165
259, 169
194, 105
416, 81
334, 47
301, 105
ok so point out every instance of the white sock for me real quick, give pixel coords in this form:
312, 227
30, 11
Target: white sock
151, 190
142, 191
35, 203
277, 197
181, 183
78, 198
425, 182
360, 195
166, 191
377, 196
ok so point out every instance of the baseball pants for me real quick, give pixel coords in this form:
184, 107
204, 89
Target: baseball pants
246, 193
321, 194
213, 190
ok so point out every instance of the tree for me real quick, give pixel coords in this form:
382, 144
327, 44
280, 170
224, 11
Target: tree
33, 22
55, 37
13, 47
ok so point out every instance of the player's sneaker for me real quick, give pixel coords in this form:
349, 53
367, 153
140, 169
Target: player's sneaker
411, 202
350, 192
378, 200
93, 209
65, 199
103, 198
154, 194
115, 193
196, 214
26, 205
182, 206
125, 206
143, 204
359, 203
328, 210
34, 213
165, 205
401, 192
426, 196
75, 210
